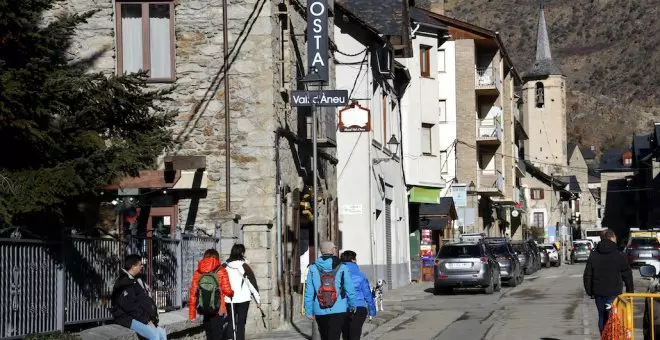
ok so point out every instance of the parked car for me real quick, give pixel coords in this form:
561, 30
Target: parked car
553, 254
643, 251
537, 252
510, 269
581, 250
526, 256
545, 258
460, 265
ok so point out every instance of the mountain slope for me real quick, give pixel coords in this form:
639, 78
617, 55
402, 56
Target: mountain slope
607, 49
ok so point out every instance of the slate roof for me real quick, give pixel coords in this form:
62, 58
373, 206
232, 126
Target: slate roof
587, 153
611, 161
573, 185
388, 17
571, 148
543, 177
543, 65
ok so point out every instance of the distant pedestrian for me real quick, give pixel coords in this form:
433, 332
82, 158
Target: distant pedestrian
132, 305
329, 293
364, 301
244, 285
606, 271
210, 286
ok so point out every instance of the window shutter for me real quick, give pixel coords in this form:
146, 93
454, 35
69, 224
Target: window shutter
542, 194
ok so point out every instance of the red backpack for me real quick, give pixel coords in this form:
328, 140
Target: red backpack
327, 293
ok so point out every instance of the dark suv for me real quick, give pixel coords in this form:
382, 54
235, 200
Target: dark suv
466, 265
643, 251
510, 268
529, 257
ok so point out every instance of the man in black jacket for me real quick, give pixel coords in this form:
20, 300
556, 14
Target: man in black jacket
606, 269
132, 307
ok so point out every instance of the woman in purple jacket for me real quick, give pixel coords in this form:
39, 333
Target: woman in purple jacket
364, 300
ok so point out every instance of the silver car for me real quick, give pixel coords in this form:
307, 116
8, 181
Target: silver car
466, 265
643, 251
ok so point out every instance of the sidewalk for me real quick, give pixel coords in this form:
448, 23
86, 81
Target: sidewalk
392, 316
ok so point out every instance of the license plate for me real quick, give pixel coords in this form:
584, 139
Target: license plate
458, 265
645, 255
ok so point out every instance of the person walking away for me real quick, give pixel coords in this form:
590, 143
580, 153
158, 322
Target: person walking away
329, 293
364, 304
210, 285
606, 270
132, 305
244, 285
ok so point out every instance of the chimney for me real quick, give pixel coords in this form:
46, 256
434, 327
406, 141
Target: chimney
627, 158
593, 148
438, 7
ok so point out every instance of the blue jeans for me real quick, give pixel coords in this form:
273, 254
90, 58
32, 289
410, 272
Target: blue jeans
151, 333
603, 304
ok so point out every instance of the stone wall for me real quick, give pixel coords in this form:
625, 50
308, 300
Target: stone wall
264, 60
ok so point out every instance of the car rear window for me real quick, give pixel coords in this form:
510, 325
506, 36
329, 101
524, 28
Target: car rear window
519, 247
547, 247
645, 242
499, 249
460, 251
581, 246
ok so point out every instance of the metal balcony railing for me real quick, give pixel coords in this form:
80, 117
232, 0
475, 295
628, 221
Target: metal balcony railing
489, 129
485, 76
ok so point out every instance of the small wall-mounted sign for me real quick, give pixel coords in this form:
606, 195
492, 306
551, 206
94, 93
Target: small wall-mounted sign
354, 118
320, 98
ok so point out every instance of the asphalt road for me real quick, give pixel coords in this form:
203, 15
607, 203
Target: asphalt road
550, 304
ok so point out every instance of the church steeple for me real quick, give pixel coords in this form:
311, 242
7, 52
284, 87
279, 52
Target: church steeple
543, 65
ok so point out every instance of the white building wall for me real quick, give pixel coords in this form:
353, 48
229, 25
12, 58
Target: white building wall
447, 92
363, 188
421, 106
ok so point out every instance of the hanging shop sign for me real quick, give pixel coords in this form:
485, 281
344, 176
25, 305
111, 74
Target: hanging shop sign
354, 118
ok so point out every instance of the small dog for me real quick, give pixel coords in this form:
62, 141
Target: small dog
377, 293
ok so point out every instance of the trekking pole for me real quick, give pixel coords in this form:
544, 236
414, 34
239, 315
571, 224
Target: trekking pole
233, 318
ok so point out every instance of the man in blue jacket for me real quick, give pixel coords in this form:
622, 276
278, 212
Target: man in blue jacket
365, 301
325, 300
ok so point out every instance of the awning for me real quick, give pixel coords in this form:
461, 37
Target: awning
192, 180
424, 195
444, 209
433, 223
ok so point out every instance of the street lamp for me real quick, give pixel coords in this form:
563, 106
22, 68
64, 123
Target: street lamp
392, 143
472, 188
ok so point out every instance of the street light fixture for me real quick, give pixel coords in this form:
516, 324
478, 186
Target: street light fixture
393, 142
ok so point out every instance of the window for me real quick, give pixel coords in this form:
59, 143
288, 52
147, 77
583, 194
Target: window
441, 60
540, 96
443, 110
145, 38
538, 219
425, 61
537, 194
443, 162
427, 142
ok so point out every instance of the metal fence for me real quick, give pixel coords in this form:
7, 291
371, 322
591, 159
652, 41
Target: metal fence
47, 285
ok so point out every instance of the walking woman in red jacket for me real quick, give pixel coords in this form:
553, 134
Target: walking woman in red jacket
205, 298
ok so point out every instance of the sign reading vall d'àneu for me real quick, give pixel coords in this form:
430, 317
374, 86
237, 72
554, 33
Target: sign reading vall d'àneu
320, 98
317, 38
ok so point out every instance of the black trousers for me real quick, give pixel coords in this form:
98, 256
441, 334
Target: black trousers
213, 326
353, 324
331, 325
240, 315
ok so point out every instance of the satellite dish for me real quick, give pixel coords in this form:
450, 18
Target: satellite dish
515, 213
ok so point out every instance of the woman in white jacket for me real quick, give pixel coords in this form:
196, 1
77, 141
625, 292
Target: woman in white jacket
244, 284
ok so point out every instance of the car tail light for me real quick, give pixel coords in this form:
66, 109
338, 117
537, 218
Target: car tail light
442, 276
632, 246
484, 260
630, 257
437, 262
589, 245
573, 248
657, 247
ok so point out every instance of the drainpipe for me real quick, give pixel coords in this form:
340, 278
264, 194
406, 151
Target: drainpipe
278, 206
225, 41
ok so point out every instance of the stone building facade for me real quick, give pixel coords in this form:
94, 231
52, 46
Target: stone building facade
181, 43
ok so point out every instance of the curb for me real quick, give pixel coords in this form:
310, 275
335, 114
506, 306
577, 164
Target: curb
390, 325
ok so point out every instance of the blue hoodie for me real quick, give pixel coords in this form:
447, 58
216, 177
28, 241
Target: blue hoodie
343, 303
362, 289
